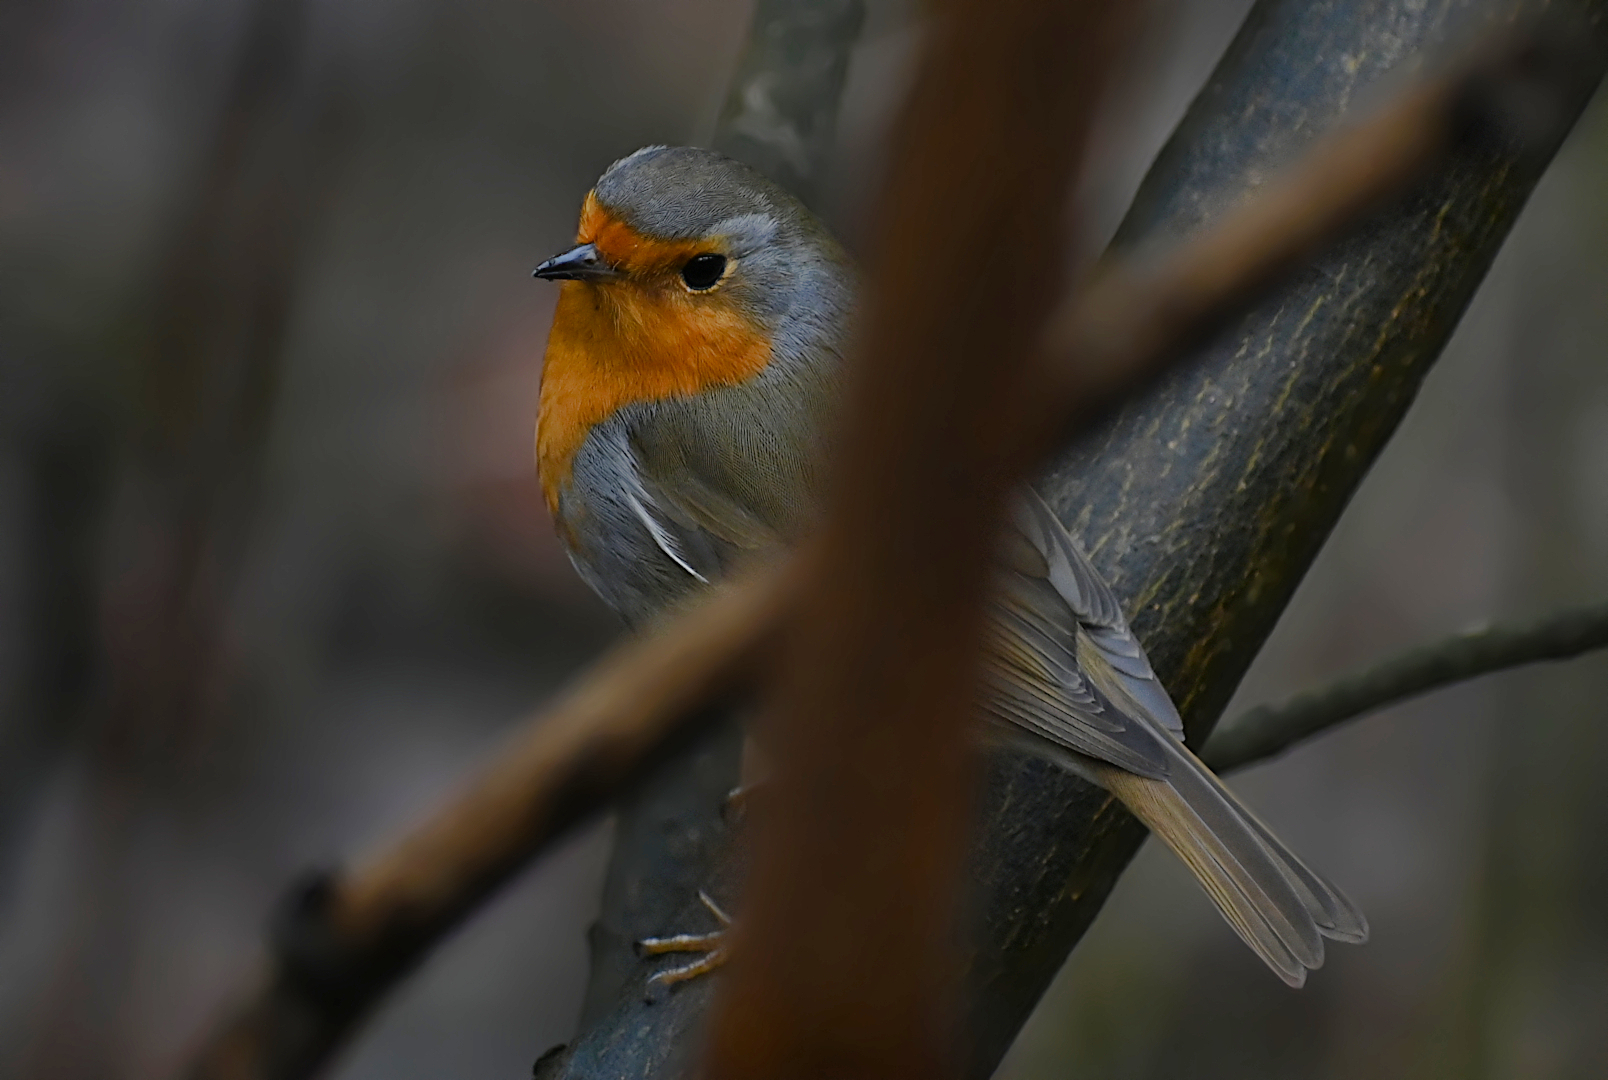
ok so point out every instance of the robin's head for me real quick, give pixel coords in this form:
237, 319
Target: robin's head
688, 233
690, 271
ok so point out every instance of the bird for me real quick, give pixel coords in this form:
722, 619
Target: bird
686, 409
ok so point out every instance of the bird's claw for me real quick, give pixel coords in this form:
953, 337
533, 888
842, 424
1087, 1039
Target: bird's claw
716, 951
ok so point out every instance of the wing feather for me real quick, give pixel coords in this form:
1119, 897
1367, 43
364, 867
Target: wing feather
1111, 645
700, 528
1063, 664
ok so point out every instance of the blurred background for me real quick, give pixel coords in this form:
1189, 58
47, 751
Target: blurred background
274, 571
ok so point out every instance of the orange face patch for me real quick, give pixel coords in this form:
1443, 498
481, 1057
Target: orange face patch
641, 338
627, 249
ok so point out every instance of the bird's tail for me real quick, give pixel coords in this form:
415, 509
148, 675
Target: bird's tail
1280, 907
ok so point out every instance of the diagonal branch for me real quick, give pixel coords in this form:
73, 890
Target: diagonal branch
1270, 730
340, 942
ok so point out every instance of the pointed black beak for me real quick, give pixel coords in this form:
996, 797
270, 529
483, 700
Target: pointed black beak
581, 263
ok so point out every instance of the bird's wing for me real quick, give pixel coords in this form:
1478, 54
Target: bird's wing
1063, 663
1099, 615
691, 520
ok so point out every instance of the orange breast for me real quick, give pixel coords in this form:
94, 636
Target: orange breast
622, 342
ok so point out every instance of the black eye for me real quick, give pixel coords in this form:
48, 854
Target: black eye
702, 271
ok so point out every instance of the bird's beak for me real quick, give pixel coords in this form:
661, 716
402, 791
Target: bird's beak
581, 263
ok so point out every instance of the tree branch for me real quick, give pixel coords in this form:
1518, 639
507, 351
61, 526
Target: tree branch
1097, 344
781, 110
1204, 503
1270, 730
341, 941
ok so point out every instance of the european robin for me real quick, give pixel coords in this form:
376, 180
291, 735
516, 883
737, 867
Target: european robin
689, 383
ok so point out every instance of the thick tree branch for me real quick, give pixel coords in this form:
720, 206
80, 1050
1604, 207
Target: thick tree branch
780, 114
1514, 94
1269, 730
1204, 503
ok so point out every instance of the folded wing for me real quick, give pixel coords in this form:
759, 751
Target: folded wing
1066, 671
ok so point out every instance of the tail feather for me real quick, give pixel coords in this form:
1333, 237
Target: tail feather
1336, 916
1245, 902
1280, 907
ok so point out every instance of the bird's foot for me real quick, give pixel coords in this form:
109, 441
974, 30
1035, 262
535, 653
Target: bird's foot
713, 945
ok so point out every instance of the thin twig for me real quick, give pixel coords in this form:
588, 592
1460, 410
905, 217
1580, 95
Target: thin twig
1127, 327
1269, 730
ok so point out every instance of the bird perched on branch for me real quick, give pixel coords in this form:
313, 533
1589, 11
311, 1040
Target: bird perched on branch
689, 386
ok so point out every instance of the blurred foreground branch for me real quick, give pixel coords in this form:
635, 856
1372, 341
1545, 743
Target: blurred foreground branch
1516, 93
845, 961
1270, 730
329, 968
342, 941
